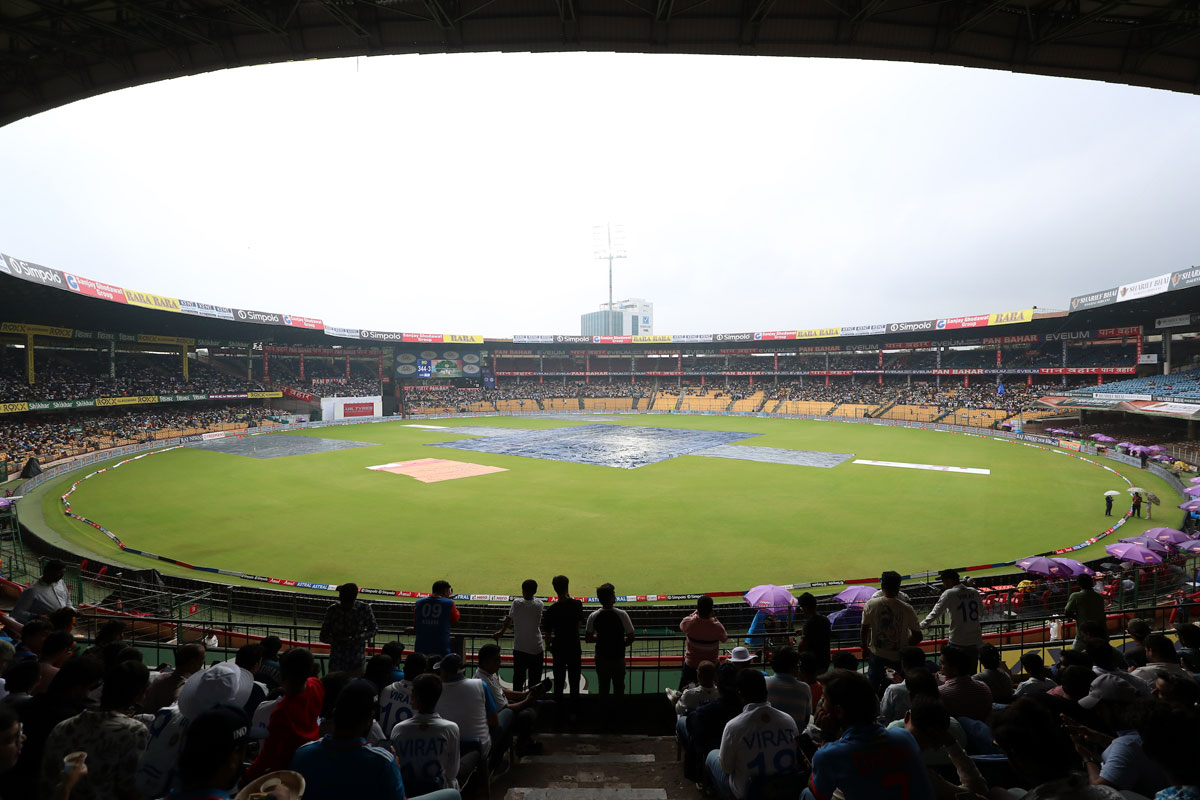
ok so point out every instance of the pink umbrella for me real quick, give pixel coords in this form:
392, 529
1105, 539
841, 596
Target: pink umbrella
855, 595
1041, 565
1075, 567
1149, 542
1137, 553
1167, 535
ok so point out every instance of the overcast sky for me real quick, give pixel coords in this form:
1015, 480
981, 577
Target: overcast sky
458, 193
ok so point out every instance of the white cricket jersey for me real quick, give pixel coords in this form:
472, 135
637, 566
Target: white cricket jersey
395, 705
427, 750
527, 624
759, 742
964, 608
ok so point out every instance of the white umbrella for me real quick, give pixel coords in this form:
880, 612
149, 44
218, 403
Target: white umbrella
1135, 489
1111, 492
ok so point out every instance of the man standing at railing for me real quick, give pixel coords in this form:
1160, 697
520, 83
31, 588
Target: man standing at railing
348, 624
964, 606
434, 616
45, 595
704, 637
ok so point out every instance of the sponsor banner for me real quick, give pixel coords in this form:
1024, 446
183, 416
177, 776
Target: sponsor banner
461, 338
734, 337
13, 408
263, 395
612, 340
1119, 333
864, 330
515, 374
1148, 358
958, 371
955, 323
147, 338
907, 345
257, 317
1069, 336
1086, 371
1103, 401
228, 396
1181, 409
1011, 317
154, 301
91, 288
918, 326
1069, 444
654, 338
205, 310
533, 338
380, 336
1185, 278
309, 323
325, 352
1177, 321
563, 339
1147, 288
34, 273
820, 348
358, 410
298, 394
1121, 396
692, 338
673, 374
180, 398
126, 401
39, 330
774, 336
327, 381
422, 338
1095, 300
1029, 338
344, 333
817, 333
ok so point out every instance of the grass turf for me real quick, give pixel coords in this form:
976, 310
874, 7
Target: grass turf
685, 524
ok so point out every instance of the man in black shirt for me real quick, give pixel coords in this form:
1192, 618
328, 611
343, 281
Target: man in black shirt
560, 624
815, 636
612, 631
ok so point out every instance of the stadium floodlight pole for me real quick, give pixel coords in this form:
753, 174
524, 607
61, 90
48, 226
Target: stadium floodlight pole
608, 242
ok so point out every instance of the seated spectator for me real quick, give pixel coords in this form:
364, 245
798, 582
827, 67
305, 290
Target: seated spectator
1039, 680
426, 745
334, 683
249, 659
395, 651
1074, 682
343, 764
293, 720
112, 739
895, 697
785, 691
759, 742
929, 723
1102, 658
1179, 691
33, 635
268, 673
395, 701
919, 683
379, 670
995, 674
45, 595
109, 633
20, 680
1117, 761
705, 690
468, 703
700, 731
58, 647
1134, 650
214, 749
165, 687
1168, 734
222, 685
65, 696
516, 710
862, 759
63, 619
962, 694
1160, 657
808, 670
1029, 731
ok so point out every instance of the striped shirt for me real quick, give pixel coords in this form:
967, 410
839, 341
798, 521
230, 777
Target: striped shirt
792, 696
704, 637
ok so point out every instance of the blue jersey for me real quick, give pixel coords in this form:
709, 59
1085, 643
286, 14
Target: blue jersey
871, 762
434, 615
334, 768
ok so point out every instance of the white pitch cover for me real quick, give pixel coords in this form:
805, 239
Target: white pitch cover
968, 470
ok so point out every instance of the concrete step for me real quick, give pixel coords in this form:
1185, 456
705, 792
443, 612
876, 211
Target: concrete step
582, 793
598, 767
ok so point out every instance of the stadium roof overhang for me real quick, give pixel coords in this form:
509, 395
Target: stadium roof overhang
1149, 408
56, 52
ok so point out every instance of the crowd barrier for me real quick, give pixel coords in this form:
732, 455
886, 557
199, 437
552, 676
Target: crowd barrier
141, 451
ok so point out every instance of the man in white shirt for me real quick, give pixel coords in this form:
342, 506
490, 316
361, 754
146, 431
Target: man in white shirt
525, 617
705, 691
517, 709
467, 703
964, 605
395, 699
758, 743
45, 595
1160, 657
426, 745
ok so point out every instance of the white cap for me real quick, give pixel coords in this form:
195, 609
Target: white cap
740, 655
221, 685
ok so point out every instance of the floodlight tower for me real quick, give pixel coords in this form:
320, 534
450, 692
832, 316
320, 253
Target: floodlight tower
608, 243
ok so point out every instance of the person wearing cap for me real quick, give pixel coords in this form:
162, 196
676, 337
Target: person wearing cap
342, 764
468, 703
210, 761
1116, 761
612, 631
220, 685
1135, 651
426, 745
295, 718
433, 617
1160, 657
888, 623
963, 606
112, 739
348, 624
704, 635
760, 742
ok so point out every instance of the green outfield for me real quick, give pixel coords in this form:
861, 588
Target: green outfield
686, 524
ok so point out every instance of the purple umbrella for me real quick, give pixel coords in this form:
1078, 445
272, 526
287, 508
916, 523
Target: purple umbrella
1192, 491
1075, 567
1104, 439
1136, 553
1192, 547
1137, 448
1149, 542
1190, 505
1156, 448
1125, 444
855, 595
771, 597
1163, 459
1040, 565
1167, 535
1194, 480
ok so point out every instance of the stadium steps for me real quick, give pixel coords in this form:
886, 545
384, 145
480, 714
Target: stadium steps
829, 413
598, 767
538, 400
944, 414
579, 400
883, 409
679, 400
778, 405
